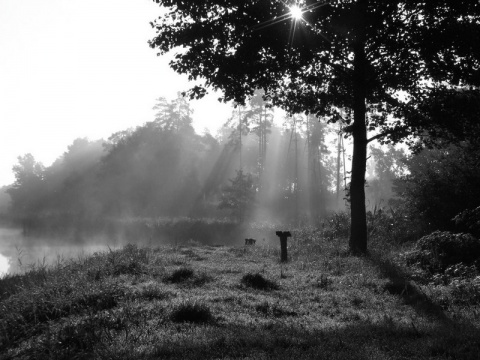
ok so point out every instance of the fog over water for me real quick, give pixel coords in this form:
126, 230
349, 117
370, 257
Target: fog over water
19, 253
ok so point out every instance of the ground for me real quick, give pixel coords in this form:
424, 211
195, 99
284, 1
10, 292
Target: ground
215, 302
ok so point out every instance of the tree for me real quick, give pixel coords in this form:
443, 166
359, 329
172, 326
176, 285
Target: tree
156, 169
375, 57
28, 189
259, 117
175, 115
239, 196
386, 165
440, 184
318, 174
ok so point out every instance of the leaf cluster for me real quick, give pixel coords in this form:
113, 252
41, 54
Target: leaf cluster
307, 66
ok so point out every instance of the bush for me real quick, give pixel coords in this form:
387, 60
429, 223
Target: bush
337, 225
257, 281
186, 276
392, 224
180, 275
192, 312
442, 249
469, 221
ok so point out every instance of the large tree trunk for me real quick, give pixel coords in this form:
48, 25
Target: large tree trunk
358, 230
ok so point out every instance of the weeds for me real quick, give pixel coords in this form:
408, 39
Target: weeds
197, 313
140, 303
273, 310
180, 275
187, 276
258, 282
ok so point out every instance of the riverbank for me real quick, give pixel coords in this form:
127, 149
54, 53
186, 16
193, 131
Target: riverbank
217, 302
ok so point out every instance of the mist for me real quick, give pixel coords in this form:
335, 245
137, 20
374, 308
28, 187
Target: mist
163, 183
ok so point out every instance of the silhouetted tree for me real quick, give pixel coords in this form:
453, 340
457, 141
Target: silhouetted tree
375, 57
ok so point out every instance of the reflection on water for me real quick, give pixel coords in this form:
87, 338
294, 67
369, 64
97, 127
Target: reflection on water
4, 265
19, 253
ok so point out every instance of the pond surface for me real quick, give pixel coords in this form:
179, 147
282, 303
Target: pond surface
19, 253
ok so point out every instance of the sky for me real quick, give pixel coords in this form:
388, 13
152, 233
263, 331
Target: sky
71, 69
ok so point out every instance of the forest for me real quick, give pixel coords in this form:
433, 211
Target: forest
256, 169
354, 137
289, 172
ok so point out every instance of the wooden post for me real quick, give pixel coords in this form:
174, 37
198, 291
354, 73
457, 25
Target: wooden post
283, 235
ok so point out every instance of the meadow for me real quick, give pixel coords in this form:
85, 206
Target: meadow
240, 302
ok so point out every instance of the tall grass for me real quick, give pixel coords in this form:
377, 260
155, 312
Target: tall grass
190, 302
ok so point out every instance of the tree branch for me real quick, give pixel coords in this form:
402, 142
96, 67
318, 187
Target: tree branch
386, 133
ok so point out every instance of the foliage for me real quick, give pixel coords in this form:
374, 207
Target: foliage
258, 282
441, 108
386, 165
192, 312
239, 196
336, 225
469, 221
374, 58
341, 312
180, 275
392, 224
164, 171
28, 190
440, 184
174, 116
154, 170
440, 250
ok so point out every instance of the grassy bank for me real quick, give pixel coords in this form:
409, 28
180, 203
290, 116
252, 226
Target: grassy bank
216, 302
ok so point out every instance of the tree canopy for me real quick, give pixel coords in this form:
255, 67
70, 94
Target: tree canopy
378, 60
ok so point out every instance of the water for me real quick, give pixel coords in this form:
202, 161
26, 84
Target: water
19, 253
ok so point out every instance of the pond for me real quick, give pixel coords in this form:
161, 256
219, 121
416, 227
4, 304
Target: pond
19, 253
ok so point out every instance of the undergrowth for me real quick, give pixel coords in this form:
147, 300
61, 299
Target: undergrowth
242, 303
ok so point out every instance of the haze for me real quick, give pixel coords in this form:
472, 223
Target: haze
71, 69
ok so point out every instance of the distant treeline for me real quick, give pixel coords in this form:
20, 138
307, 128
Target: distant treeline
252, 169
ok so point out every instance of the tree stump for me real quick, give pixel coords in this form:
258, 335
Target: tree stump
283, 235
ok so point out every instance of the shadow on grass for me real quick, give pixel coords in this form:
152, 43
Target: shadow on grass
400, 285
353, 342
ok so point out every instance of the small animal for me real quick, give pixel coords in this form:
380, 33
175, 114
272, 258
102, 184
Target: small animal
250, 241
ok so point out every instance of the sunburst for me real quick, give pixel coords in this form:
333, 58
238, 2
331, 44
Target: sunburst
296, 12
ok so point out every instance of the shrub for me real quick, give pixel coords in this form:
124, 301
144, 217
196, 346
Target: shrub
128, 261
185, 275
257, 281
180, 275
392, 224
441, 249
336, 225
192, 312
469, 221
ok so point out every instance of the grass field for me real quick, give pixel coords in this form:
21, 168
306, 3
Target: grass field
206, 302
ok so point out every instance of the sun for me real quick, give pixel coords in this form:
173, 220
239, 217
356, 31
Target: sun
296, 12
